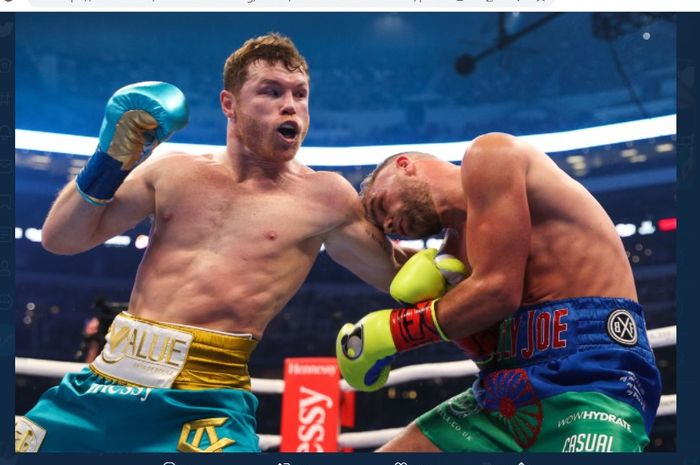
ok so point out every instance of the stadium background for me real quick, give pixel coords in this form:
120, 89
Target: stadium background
380, 78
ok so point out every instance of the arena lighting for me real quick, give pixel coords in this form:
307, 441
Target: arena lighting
372, 155
626, 229
33, 234
647, 227
141, 241
666, 147
119, 241
434, 243
412, 244
668, 224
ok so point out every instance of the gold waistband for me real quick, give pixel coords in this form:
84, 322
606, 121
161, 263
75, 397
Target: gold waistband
214, 359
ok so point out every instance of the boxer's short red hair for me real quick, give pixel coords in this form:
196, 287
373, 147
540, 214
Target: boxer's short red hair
272, 48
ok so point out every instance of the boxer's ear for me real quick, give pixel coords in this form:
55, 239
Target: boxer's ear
405, 164
228, 104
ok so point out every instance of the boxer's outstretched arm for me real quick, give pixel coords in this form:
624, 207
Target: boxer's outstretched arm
74, 225
360, 246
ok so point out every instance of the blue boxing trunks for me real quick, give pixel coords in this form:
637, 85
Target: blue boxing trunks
575, 375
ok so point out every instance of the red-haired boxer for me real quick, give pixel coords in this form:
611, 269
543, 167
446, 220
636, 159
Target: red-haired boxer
234, 235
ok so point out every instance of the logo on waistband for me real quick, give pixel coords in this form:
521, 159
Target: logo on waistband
622, 328
200, 427
143, 353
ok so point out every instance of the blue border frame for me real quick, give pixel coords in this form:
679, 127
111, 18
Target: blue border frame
7, 223
688, 188
688, 452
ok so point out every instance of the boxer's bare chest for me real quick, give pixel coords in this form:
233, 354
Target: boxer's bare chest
202, 204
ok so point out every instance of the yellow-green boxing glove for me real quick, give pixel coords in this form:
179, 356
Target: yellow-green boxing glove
366, 349
427, 275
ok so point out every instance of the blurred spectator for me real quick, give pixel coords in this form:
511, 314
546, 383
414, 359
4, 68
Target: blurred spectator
96, 328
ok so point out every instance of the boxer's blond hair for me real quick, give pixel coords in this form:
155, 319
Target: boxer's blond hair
368, 182
271, 48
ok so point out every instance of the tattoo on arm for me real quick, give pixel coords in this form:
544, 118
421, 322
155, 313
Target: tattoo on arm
380, 239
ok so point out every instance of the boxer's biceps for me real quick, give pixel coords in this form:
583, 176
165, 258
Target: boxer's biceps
364, 250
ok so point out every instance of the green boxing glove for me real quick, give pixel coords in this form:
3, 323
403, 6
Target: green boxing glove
427, 275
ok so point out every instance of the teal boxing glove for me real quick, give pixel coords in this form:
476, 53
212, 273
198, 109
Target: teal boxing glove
137, 118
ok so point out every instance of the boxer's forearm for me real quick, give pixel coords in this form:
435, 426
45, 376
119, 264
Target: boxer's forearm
71, 223
476, 304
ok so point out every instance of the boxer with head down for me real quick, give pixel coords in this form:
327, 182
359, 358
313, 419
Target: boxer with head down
234, 234
549, 311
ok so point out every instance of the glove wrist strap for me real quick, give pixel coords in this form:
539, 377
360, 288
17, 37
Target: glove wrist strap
433, 313
415, 326
100, 178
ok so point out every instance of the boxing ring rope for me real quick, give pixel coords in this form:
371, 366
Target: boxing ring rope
660, 337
